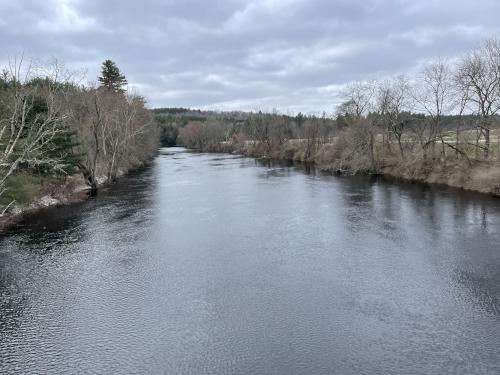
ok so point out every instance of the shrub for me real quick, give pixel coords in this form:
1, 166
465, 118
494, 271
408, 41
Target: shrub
22, 188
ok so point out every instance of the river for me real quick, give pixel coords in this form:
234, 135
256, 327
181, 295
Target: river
220, 264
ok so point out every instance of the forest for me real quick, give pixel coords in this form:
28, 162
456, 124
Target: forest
57, 135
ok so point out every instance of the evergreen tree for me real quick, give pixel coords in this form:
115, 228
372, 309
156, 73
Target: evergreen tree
300, 119
111, 77
61, 147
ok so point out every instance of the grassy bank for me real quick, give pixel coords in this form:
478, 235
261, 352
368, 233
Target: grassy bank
335, 157
28, 193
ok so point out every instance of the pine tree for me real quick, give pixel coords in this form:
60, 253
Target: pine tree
63, 147
111, 77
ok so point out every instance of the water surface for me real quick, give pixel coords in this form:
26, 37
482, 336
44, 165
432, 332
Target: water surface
218, 264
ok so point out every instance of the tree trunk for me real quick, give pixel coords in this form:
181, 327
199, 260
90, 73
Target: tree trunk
89, 176
372, 150
486, 143
400, 147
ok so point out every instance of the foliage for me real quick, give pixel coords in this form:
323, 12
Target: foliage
111, 78
171, 111
21, 188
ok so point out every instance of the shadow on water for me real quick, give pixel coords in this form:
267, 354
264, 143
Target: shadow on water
124, 198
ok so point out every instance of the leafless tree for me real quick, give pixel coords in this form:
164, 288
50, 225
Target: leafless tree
312, 129
478, 74
258, 130
111, 127
434, 95
392, 99
358, 98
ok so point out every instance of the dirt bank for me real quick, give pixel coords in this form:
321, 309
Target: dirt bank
474, 175
480, 176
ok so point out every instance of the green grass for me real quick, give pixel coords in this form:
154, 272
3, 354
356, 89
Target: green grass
22, 188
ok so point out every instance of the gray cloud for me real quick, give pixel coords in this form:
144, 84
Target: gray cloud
236, 54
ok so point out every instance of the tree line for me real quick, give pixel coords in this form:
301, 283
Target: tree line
52, 127
448, 110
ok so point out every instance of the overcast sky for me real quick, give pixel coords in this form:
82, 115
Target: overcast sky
292, 55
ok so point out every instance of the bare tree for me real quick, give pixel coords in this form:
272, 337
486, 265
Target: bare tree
359, 101
358, 97
280, 129
258, 129
392, 99
435, 96
311, 133
478, 74
110, 127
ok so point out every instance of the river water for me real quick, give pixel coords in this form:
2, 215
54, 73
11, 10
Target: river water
219, 264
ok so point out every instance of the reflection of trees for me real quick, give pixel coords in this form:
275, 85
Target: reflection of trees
277, 168
131, 196
398, 208
357, 200
41, 231
458, 225
439, 209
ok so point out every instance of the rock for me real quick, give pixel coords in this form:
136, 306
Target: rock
101, 180
47, 200
16, 210
81, 188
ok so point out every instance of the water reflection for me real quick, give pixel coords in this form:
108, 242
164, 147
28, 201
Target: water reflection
208, 263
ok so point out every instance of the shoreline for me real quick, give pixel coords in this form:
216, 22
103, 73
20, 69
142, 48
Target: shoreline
74, 191
46, 201
479, 176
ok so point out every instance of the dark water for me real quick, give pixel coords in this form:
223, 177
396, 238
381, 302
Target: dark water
216, 264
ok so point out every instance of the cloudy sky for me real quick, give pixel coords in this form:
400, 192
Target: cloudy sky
292, 55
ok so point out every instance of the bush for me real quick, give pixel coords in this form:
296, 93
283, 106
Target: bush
22, 188
351, 151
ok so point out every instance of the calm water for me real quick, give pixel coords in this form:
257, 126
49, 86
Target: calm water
217, 264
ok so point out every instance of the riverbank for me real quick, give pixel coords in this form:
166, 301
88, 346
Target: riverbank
57, 192
454, 171
480, 176
72, 190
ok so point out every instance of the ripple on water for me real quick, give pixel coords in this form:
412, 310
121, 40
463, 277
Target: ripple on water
217, 264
